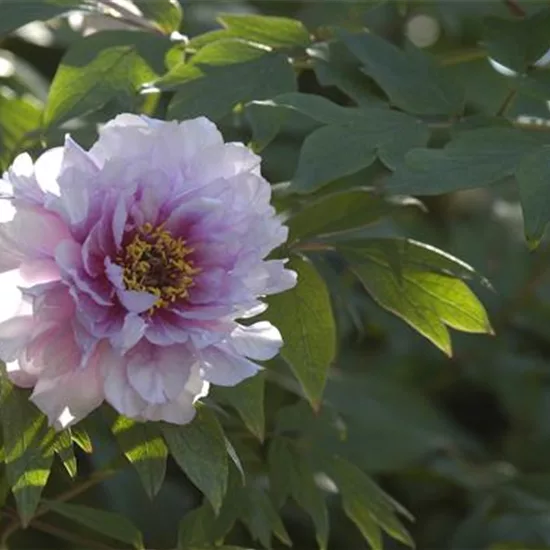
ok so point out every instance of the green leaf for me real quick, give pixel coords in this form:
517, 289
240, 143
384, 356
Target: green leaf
338, 150
109, 524
19, 117
519, 43
63, 446
290, 474
261, 78
277, 32
533, 175
195, 529
304, 317
200, 451
367, 505
80, 436
398, 275
103, 67
338, 212
262, 519
410, 80
27, 446
143, 446
474, 158
167, 13
217, 54
15, 14
247, 398
267, 117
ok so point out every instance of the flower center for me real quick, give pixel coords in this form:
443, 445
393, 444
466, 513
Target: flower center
155, 262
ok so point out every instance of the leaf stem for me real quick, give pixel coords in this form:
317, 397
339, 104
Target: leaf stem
76, 539
507, 103
514, 8
130, 18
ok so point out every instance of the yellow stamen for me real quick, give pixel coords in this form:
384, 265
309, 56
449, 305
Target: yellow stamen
155, 262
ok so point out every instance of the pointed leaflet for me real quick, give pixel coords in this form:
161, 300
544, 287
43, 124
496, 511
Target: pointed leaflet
475, 158
247, 398
277, 32
18, 117
196, 528
423, 292
261, 78
109, 524
27, 446
103, 67
304, 317
63, 446
290, 474
199, 449
339, 150
533, 175
166, 13
409, 78
338, 212
143, 446
367, 505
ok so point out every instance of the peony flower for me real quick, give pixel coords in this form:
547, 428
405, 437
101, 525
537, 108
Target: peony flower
124, 270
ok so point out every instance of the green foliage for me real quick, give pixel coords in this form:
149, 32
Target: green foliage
100, 68
106, 523
354, 118
419, 284
200, 451
304, 317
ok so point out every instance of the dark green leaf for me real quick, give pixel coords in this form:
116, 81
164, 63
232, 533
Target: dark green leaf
335, 151
277, 32
367, 505
195, 529
102, 67
19, 117
409, 79
261, 78
519, 43
473, 159
28, 448
200, 451
167, 13
143, 446
109, 524
262, 519
304, 317
290, 474
248, 400
338, 212
427, 298
533, 175
267, 117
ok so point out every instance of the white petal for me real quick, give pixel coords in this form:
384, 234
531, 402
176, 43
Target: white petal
131, 333
259, 341
69, 398
47, 168
225, 369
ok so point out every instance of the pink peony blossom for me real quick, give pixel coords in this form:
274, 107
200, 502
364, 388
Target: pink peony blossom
124, 270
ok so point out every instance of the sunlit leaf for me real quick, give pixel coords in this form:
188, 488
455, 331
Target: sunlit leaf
143, 446
428, 297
